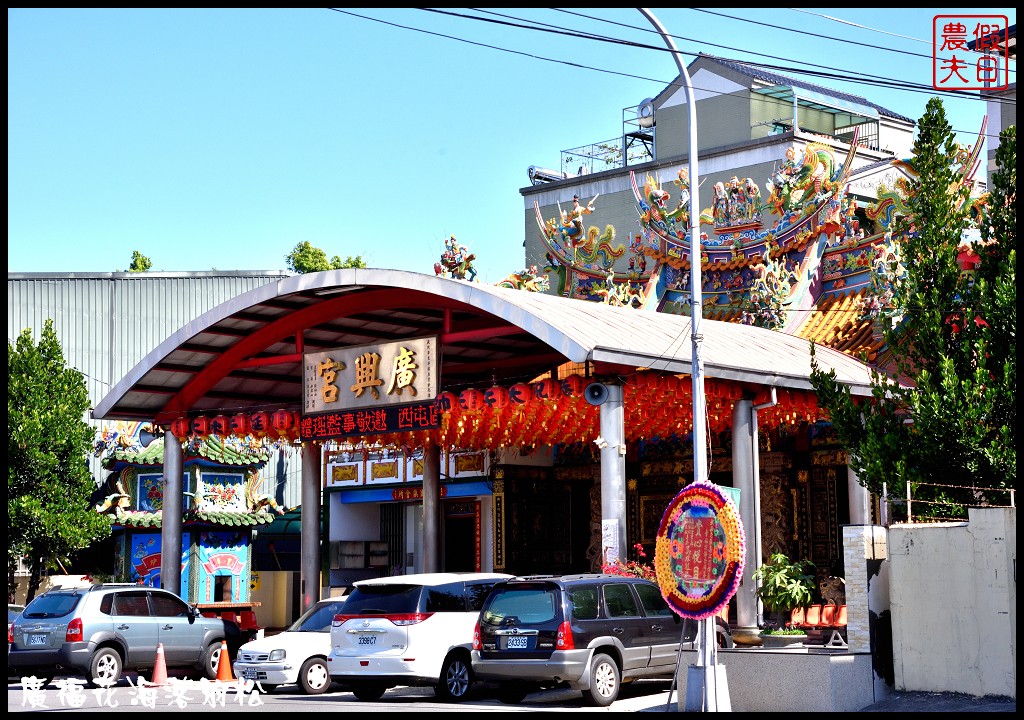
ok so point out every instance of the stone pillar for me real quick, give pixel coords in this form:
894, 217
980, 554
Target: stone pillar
170, 515
309, 538
860, 499
743, 475
613, 477
868, 628
432, 508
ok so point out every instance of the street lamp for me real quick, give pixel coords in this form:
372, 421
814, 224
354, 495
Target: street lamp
706, 684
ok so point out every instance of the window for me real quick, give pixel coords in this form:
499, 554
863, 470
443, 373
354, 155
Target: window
51, 605
653, 602
619, 601
383, 600
166, 606
584, 602
477, 594
133, 604
447, 598
526, 605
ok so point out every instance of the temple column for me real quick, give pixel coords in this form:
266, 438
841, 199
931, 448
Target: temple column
170, 515
432, 508
309, 538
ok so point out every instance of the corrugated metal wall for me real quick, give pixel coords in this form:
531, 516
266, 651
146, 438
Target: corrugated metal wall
108, 322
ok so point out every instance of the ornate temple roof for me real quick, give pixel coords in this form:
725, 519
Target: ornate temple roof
123, 448
137, 519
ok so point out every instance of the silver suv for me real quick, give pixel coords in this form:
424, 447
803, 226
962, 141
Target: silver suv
589, 632
100, 630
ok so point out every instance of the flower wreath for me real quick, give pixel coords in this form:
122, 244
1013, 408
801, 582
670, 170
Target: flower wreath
700, 551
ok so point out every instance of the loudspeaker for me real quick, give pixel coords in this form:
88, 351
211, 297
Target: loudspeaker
146, 437
596, 393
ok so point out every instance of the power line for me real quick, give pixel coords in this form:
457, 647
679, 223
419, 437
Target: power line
858, 25
838, 74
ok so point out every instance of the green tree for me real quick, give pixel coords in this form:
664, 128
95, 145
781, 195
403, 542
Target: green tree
306, 259
140, 263
949, 427
49, 484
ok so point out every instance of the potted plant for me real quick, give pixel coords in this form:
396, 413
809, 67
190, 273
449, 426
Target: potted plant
784, 584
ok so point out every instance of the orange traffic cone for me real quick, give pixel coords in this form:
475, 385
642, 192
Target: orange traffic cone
224, 666
160, 668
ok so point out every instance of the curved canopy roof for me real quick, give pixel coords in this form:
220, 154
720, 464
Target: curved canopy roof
246, 354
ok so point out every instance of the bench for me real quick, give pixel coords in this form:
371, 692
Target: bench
825, 624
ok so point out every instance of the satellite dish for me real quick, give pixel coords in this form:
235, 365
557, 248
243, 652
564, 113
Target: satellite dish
596, 393
645, 113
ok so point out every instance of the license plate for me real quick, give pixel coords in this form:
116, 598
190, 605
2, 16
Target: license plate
517, 642
367, 640
251, 674
36, 639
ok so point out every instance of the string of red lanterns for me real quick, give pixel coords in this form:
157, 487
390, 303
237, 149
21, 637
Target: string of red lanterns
545, 412
277, 425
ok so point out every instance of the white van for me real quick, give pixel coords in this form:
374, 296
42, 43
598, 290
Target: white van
409, 630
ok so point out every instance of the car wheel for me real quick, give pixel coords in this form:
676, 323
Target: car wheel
604, 681
369, 693
511, 693
211, 660
105, 668
314, 678
456, 678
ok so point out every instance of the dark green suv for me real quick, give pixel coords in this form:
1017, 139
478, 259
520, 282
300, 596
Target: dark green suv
589, 632
100, 630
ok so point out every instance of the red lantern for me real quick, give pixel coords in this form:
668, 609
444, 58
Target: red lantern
239, 424
547, 389
521, 394
282, 421
647, 381
496, 397
220, 425
574, 385
260, 423
471, 399
447, 401
181, 428
201, 426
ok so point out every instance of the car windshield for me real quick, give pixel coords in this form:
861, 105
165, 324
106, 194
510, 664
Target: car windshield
383, 599
318, 618
536, 604
13, 611
51, 605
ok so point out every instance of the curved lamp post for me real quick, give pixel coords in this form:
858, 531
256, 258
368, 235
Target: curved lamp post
706, 687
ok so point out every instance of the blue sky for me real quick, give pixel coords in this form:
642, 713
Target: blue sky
219, 139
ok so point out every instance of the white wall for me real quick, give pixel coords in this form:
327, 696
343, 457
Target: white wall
353, 521
953, 596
